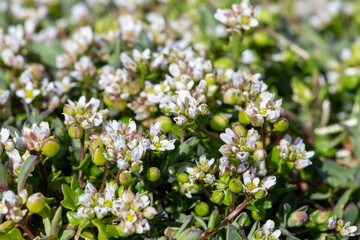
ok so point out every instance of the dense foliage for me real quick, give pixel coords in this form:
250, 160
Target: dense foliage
179, 119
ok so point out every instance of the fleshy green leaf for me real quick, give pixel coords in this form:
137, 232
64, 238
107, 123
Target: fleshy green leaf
70, 199
56, 222
340, 205
13, 234
232, 233
105, 231
25, 170
67, 234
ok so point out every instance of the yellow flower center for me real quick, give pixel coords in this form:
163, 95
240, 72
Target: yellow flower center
130, 217
29, 94
250, 186
245, 20
158, 144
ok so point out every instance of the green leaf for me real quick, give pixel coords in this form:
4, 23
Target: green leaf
254, 228
215, 220
232, 233
73, 218
46, 215
25, 170
105, 231
201, 222
351, 213
189, 234
202, 120
186, 147
83, 166
3, 177
188, 223
88, 235
13, 234
240, 220
56, 222
67, 234
340, 205
46, 53
70, 199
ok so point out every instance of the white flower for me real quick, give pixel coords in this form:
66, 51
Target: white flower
251, 183
229, 137
162, 145
269, 232
142, 226
4, 135
29, 93
3, 209
269, 182
331, 222
348, 230
203, 164
4, 96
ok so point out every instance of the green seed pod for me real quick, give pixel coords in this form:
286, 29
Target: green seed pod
259, 155
95, 142
239, 130
51, 147
36, 203
166, 123
75, 131
217, 196
281, 125
182, 178
243, 118
219, 122
202, 209
153, 174
98, 157
125, 178
235, 185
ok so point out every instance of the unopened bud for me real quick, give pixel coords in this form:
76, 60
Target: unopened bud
153, 174
69, 110
98, 157
230, 97
257, 120
127, 196
51, 147
244, 118
95, 143
202, 209
235, 185
217, 196
260, 193
340, 222
36, 203
298, 218
281, 125
239, 130
125, 178
9, 145
219, 122
259, 155
136, 166
149, 212
210, 79
182, 178
75, 131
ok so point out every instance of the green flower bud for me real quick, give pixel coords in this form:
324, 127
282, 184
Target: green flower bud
210, 79
23, 196
217, 196
182, 178
153, 174
219, 122
281, 125
260, 194
69, 110
235, 185
239, 130
95, 142
125, 178
9, 145
204, 109
259, 155
340, 222
221, 185
51, 147
202, 209
297, 219
98, 157
166, 123
230, 97
36, 203
135, 166
75, 131
243, 118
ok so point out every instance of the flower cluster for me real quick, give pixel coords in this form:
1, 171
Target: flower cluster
344, 229
133, 211
240, 16
267, 232
12, 205
295, 152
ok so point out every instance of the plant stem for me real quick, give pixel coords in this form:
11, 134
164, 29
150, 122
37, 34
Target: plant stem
212, 136
103, 182
82, 154
117, 176
232, 202
182, 137
43, 174
26, 230
230, 218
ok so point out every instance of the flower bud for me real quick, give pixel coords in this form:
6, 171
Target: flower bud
340, 222
125, 178
153, 174
243, 118
69, 110
331, 222
259, 155
281, 125
127, 196
75, 131
257, 120
36, 203
136, 166
260, 193
149, 212
95, 143
23, 195
204, 109
217, 196
166, 123
239, 130
182, 178
297, 219
98, 157
230, 97
210, 79
9, 145
219, 122
202, 209
51, 147
235, 185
